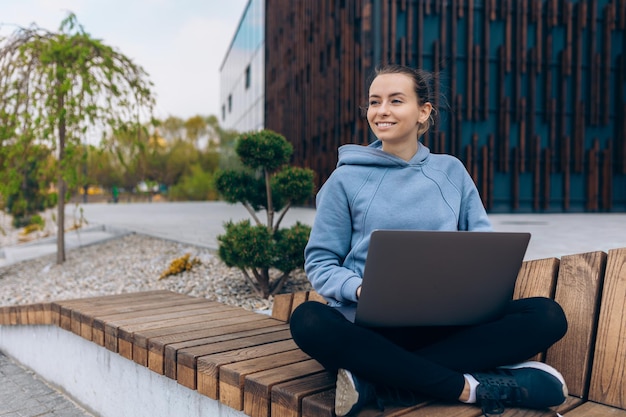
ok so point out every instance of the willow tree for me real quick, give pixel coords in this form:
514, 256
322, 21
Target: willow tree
56, 88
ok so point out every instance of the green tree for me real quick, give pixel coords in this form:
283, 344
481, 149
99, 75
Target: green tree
129, 148
268, 184
26, 191
196, 128
56, 87
224, 141
195, 186
101, 168
181, 157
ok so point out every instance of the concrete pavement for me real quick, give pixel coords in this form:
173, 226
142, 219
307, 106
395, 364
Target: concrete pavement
199, 223
22, 394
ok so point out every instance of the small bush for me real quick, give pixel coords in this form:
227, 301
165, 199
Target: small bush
265, 183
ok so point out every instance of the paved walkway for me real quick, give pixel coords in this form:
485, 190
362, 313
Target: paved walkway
23, 394
201, 223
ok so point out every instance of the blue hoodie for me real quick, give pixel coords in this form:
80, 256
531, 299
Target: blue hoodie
372, 189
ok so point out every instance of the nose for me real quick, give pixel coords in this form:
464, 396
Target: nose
383, 108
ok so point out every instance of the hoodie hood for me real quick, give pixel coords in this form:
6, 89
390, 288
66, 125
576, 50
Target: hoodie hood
373, 155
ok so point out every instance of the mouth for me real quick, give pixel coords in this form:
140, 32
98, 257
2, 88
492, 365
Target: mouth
384, 124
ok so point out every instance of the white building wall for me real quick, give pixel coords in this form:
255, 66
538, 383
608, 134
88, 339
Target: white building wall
242, 75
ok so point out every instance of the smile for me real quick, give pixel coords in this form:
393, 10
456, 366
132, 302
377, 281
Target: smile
384, 124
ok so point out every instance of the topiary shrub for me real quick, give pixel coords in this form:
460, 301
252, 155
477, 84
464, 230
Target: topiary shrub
269, 184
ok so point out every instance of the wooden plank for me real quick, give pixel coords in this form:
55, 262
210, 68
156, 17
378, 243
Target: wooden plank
157, 345
4, 316
608, 376
446, 410
578, 288
281, 308
232, 376
259, 345
591, 409
120, 333
441, 409
258, 386
32, 314
319, 405
140, 338
536, 278
130, 300
140, 353
116, 298
208, 366
314, 296
220, 334
138, 308
79, 317
287, 396
298, 298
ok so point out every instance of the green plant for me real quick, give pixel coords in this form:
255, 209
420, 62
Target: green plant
197, 186
267, 183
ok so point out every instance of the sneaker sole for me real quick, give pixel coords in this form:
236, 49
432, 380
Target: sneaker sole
346, 395
543, 367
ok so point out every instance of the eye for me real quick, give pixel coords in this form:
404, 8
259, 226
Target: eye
396, 101
373, 102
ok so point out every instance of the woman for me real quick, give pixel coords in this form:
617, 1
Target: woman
396, 183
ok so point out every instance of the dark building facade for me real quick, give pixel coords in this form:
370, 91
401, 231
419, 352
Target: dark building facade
533, 93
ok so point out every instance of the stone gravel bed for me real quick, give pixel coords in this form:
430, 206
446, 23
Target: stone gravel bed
129, 264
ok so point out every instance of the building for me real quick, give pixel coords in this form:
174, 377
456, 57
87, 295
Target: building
242, 74
533, 93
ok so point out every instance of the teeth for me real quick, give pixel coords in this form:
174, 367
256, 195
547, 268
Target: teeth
385, 124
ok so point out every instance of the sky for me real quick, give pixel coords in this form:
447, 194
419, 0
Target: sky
180, 43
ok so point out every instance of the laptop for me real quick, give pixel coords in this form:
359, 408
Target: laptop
438, 278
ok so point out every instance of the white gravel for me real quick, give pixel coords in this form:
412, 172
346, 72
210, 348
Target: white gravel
130, 264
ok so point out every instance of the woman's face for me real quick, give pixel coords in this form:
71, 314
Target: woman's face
393, 113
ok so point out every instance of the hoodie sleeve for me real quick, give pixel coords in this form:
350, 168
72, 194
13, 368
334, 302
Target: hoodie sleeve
472, 215
328, 246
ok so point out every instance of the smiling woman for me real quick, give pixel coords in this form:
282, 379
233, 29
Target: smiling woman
397, 183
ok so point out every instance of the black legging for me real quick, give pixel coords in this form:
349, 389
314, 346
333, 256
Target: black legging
427, 360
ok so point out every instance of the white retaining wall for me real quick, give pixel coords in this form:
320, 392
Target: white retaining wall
102, 381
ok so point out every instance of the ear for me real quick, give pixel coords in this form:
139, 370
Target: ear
424, 112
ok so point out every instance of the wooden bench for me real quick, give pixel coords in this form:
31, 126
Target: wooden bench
249, 362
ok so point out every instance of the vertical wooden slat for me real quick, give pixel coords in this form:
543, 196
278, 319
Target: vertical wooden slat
578, 287
522, 134
478, 93
547, 175
566, 172
484, 86
609, 369
593, 176
492, 169
536, 169
515, 181
608, 26
552, 68
470, 91
607, 178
